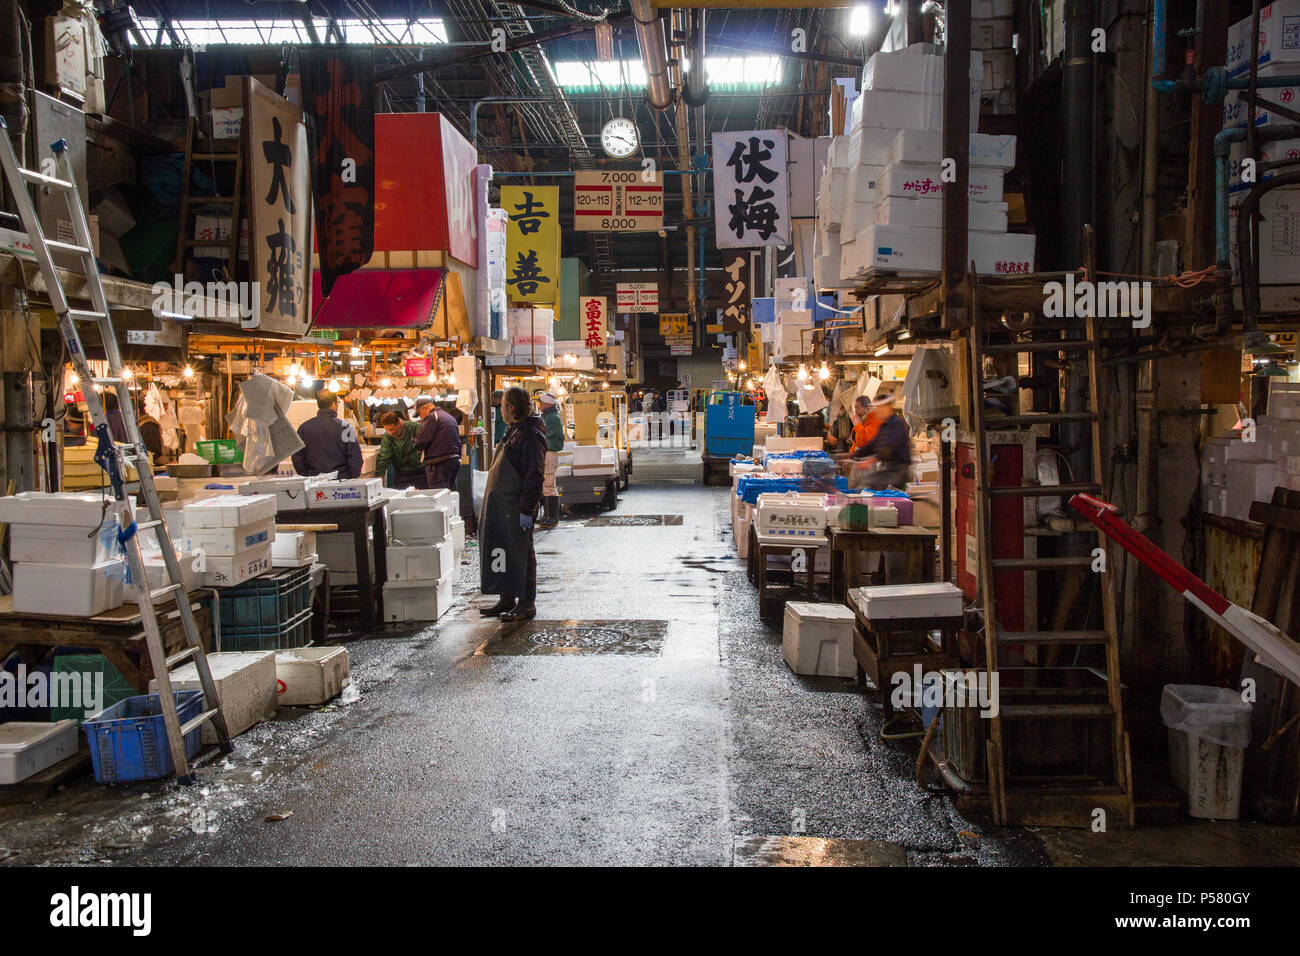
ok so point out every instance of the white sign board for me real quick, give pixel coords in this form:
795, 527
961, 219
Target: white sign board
751, 188
618, 201
635, 297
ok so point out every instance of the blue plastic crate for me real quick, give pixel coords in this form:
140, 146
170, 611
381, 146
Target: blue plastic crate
269, 601
270, 637
128, 741
722, 447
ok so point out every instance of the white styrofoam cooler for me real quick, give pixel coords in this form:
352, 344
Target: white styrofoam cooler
245, 682
818, 639
27, 748
293, 546
426, 525
228, 511
155, 570
228, 542
349, 493
227, 572
63, 543
290, 493
885, 602
458, 535
420, 562
79, 509
792, 515
311, 675
69, 590
417, 600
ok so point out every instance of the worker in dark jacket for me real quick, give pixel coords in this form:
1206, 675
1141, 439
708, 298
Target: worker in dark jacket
507, 561
550, 406
328, 444
883, 461
439, 441
398, 449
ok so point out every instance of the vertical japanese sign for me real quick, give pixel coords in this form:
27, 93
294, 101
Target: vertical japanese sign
751, 188
592, 314
279, 170
532, 242
459, 162
339, 94
738, 311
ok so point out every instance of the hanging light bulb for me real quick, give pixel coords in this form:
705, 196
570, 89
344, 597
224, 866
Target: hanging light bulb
823, 373
127, 373
356, 350
188, 371
385, 383
335, 386
433, 378
803, 373
741, 366
294, 369
73, 378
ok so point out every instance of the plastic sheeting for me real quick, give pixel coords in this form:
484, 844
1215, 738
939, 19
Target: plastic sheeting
1215, 714
260, 424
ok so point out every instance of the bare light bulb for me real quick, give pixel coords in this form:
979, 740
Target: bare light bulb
803, 373
823, 373
188, 371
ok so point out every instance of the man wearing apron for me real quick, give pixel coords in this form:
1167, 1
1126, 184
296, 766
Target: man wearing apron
507, 561
439, 441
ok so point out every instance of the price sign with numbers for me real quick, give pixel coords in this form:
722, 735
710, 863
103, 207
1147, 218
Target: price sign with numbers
627, 200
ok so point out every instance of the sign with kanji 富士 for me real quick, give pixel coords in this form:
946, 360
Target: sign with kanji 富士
674, 323
591, 320
637, 297
738, 310
617, 201
751, 188
532, 242
279, 170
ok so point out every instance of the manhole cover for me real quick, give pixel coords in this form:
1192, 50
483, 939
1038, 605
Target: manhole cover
632, 521
578, 637
639, 638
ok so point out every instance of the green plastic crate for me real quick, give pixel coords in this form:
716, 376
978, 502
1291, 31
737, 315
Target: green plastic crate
115, 686
224, 451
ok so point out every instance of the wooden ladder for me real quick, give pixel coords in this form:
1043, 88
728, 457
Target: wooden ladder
1026, 693
185, 241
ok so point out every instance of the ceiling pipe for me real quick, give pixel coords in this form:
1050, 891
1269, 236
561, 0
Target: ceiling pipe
695, 91
654, 52
688, 195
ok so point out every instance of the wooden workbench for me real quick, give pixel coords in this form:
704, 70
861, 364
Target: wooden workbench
117, 634
366, 525
917, 543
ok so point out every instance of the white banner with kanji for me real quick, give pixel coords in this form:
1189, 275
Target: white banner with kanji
751, 188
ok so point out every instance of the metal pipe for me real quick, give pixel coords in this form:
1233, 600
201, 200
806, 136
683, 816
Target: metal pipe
1159, 47
684, 163
695, 92
650, 37
1223, 141
1144, 387
473, 112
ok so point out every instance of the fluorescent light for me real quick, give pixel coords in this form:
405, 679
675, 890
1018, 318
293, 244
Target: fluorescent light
883, 350
860, 20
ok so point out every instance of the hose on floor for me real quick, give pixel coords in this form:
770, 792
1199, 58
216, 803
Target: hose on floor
885, 735
925, 749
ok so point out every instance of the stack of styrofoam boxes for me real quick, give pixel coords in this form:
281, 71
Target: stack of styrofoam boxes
992, 34
532, 338
594, 460
831, 195
443, 498
817, 639
923, 489
235, 535
1279, 55
1236, 473
245, 683
1280, 429
289, 549
421, 559
60, 566
791, 333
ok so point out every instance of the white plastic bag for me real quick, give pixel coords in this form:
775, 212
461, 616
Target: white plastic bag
930, 389
478, 485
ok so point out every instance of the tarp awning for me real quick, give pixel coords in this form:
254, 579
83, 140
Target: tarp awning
378, 299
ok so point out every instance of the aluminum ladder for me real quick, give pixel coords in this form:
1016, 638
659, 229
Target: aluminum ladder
115, 458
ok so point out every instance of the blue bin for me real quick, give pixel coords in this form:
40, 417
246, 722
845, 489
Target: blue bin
128, 741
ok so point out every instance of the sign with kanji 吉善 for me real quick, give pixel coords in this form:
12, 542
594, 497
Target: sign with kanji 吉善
609, 200
592, 318
637, 297
738, 308
532, 242
674, 323
751, 189
279, 170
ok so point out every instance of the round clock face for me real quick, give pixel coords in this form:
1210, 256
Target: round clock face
619, 137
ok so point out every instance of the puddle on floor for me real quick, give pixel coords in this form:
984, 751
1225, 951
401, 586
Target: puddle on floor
639, 638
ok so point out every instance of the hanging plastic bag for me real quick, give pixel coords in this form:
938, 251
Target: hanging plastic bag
930, 389
478, 485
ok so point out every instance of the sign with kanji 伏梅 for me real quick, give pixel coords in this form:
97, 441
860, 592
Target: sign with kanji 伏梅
532, 243
278, 165
592, 317
738, 308
751, 189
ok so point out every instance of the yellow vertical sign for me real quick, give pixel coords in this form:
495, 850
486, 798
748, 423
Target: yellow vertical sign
532, 243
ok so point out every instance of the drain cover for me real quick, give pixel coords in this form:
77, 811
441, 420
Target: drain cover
632, 521
577, 637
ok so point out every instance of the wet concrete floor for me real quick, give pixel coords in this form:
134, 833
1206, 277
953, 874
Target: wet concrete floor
646, 717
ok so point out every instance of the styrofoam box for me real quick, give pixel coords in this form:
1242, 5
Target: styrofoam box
916, 180
245, 682
62, 544
344, 494
1279, 44
68, 590
155, 570
420, 562
78, 509
913, 71
420, 526
817, 639
337, 551
792, 516
311, 675
293, 545
776, 443
417, 600
890, 109
441, 497
28, 748
458, 535
290, 493
994, 33
226, 542
228, 511
928, 214
939, 599
584, 455
227, 572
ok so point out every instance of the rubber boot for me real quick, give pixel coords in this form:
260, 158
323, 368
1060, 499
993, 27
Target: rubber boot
520, 612
552, 516
504, 603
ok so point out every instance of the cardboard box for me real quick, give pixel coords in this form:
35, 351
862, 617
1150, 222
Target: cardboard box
65, 54
1279, 39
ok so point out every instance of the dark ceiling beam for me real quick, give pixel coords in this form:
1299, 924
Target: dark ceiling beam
764, 49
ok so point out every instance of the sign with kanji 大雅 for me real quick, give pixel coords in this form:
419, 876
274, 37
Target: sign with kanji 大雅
637, 297
738, 310
608, 200
591, 320
751, 189
532, 242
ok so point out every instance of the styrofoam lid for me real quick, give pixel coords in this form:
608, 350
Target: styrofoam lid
20, 734
819, 612
938, 589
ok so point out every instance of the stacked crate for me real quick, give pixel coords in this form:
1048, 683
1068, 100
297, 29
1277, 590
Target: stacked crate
235, 535
422, 556
992, 34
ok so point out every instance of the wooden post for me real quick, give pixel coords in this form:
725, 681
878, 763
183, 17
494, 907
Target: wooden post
956, 149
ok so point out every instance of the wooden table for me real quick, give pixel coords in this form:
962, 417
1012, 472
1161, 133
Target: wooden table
886, 648
847, 547
366, 525
117, 634
774, 591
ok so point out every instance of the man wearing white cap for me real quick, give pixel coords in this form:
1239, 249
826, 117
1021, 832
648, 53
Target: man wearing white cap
550, 406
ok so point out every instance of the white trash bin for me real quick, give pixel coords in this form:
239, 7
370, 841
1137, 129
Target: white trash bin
1209, 728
